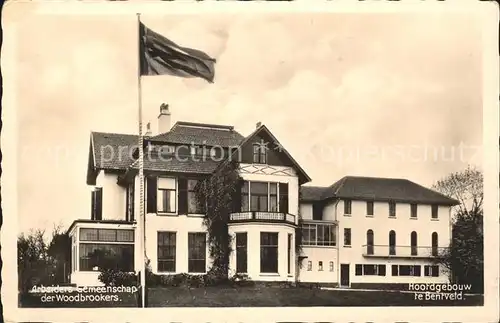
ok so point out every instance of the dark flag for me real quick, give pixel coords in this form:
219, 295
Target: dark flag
161, 56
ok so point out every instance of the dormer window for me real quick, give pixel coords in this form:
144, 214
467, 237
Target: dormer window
167, 149
196, 150
260, 153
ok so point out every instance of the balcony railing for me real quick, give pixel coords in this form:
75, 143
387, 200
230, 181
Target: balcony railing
388, 251
258, 216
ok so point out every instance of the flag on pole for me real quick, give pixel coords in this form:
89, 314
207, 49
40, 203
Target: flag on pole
161, 56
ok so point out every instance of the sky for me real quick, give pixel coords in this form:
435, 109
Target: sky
389, 95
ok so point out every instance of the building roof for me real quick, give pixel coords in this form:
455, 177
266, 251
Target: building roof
201, 134
311, 193
113, 150
188, 164
377, 189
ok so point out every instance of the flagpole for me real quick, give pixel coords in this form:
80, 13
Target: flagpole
142, 217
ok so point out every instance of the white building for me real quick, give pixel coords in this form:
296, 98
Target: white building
357, 231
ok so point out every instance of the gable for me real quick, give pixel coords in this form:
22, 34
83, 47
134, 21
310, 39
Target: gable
277, 155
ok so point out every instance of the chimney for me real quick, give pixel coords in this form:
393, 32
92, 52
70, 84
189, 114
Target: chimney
257, 126
163, 119
148, 130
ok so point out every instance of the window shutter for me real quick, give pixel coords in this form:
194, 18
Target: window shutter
151, 192
283, 204
98, 203
237, 197
93, 206
183, 199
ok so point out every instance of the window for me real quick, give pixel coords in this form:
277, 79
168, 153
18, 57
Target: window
260, 153
245, 205
347, 207
106, 255
309, 265
96, 208
106, 235
392, 209
129, 216
369, 270
369, 242
318, 235
317, 211
166, 195
369, 208
431, 271
197, 252
331, 265
414, 248
106, 248
290, 255
320, 266
268, 252
273, 197
259, 196
241, 252
434, 210
413, 208
193, 207
406, 270
434, 239
392, 243
166, 251
347, 236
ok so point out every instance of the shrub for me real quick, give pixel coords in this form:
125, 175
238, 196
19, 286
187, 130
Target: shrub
241, 280
195, 281
113, 277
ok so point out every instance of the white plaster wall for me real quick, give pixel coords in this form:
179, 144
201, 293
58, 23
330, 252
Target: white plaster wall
381, 224
330, 211
253, 257
182, 225
315, 255
267, 176
113, 197
306, 211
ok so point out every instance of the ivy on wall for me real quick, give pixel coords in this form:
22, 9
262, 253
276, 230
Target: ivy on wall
215, 195
298, 234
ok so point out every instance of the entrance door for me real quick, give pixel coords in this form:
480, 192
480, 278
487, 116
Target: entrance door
344, 275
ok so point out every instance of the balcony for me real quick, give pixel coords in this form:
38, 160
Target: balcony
257, 216
387, 251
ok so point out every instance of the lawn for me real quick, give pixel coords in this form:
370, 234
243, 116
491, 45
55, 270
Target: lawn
274, 296
256, 296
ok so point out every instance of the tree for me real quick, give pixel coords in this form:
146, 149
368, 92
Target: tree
42, 263
466, 187
59, 251
32, 259
464, 258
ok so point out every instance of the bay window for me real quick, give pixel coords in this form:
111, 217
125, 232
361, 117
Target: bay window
260, 197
